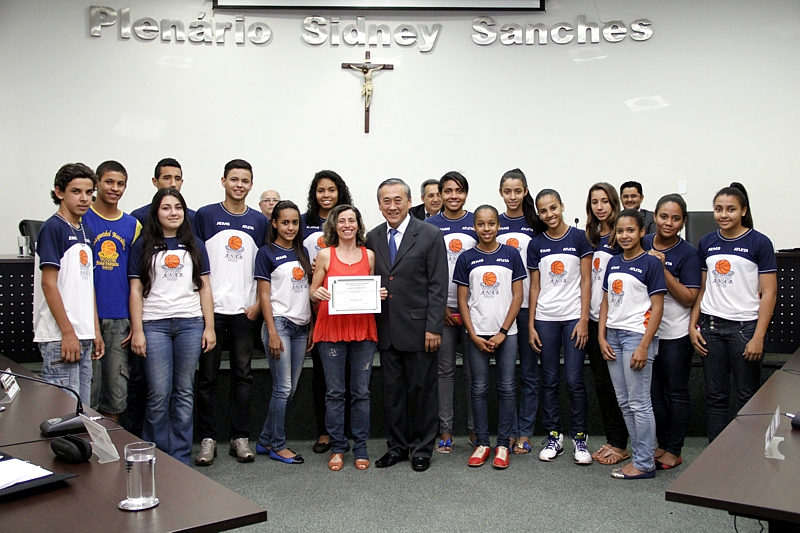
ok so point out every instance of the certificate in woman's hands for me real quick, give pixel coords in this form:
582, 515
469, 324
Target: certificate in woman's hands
352, 295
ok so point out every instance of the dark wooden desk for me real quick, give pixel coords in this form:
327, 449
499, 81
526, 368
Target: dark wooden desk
189, 500
732, 474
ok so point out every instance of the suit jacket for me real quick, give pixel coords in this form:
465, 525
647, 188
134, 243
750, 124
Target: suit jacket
417, 285
418, 211
649, 221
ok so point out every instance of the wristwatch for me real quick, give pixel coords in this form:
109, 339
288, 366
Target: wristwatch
504, 331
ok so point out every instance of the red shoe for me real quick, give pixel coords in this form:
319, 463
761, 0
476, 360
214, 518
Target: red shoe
500, 457
479, 456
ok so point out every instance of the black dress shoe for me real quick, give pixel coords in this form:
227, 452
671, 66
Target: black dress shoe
420, 464
389, 459
321, 447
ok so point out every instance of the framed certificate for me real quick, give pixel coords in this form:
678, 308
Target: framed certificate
353, 295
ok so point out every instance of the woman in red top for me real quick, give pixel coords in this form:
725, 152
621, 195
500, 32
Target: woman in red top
345, 338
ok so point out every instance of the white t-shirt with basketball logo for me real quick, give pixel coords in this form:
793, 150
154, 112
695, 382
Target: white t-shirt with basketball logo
172, 291
733, 267
559, 265
683, 262
288, 283
68, 249
629, 285
313, 237
517, 233
232, 242
459, 236
489, 277
603, 253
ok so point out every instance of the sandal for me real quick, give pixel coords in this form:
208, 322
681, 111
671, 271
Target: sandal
665, 466
612, 457
336, 462
599, 453
522, 447
362, 464
444, 445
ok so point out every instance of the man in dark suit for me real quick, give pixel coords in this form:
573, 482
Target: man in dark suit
410, 258
431, 200
632, 197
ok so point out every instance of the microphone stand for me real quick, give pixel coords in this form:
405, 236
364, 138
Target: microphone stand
67, 424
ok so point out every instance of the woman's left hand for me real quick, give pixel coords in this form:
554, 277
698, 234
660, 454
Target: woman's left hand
384, 293
497, 340
581, 334
659, 255
209, 340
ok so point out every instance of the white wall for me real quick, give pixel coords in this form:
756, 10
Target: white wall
728, 72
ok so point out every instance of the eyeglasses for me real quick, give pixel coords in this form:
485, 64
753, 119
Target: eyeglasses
269, 201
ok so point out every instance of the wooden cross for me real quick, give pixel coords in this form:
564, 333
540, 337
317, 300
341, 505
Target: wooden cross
366, 68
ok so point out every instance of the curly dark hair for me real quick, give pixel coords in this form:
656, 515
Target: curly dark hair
67, 173
329, 229
312, 210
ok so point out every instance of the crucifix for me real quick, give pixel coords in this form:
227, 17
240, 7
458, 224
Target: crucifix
366, 68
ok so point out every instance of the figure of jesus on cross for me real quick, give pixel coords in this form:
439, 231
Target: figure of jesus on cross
366, 68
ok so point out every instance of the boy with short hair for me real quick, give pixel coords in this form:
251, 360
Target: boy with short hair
232, 233
114, 234
168, 173
64, 314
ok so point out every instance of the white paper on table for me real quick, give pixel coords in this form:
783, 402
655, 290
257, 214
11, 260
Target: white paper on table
14, 471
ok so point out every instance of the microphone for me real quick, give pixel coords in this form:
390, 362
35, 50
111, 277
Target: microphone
576, 221
67, 424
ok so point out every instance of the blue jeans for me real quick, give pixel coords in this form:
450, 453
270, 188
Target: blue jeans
726, 340
554, 336
110, 373
173, 349
633, 394
670, 392
335, 356
285, 375
77, 375
451, 335
505, 357
528, 377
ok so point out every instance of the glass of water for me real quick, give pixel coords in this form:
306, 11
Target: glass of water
24, 245
140, 476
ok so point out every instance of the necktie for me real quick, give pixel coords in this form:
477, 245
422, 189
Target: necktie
392, 245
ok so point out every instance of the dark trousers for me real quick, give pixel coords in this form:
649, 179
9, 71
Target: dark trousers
669, 390
318, 390
726, 340
610, 413
137, 395
411, 401
240, 332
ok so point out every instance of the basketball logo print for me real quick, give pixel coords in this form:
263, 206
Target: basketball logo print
512, 242
722, 273
321, 242
454, 249
617, 292
299, 280
234, 243
107, 256
597, 271
647, 317
489, 285
85, 267
558, 276
173, 269
234, 251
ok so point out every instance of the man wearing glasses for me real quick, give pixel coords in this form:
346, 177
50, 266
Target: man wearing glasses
268, 201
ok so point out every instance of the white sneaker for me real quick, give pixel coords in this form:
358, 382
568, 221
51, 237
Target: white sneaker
581, 453
553, 446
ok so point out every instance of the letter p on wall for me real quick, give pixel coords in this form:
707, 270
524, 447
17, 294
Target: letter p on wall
100, 16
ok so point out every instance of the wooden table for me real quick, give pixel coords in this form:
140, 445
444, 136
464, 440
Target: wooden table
732, 474
189, 500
